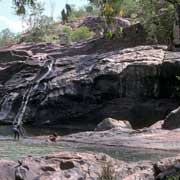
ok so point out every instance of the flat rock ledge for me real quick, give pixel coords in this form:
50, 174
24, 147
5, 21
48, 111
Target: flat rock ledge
146, 138
86, 166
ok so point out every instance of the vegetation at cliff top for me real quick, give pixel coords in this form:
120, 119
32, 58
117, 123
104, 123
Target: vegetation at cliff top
157, 17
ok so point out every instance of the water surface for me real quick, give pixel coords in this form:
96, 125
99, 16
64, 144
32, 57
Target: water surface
14, 150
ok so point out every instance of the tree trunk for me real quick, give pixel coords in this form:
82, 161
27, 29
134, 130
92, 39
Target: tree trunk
176, 28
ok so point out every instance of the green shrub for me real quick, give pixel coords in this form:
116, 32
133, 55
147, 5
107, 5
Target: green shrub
158, 21
67, 33
7, 38
80, 34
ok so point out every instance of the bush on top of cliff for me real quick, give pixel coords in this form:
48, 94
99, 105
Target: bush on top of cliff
68, 35
157, 18
80, 34
7, 38
46, 31
84, 11
42, 28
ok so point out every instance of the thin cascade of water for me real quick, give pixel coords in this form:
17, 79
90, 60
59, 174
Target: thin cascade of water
22, 109
19, 117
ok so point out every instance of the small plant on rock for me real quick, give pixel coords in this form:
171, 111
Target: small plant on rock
108, 172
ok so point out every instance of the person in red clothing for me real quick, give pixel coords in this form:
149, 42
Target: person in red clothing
53, 137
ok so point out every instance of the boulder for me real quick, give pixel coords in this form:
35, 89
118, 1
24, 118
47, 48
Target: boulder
157, 125
92, 22
110, 123
168, 168
7, 170
172, 120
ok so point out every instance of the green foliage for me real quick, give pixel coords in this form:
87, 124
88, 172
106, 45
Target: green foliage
76, 13
158, 20
21, 6
156, 16
130, 8
108, 10
80, 34
46, 31
77, 35
109, 35
67, 35
41, 28
34, 16
7, 38
107, 172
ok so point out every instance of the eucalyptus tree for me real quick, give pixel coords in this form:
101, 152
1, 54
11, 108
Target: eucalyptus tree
176, 27
21, 6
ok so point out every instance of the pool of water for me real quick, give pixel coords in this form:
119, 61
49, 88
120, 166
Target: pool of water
14, 150
130, 154
32, 131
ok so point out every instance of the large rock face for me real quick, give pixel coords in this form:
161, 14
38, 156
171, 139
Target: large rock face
83, 86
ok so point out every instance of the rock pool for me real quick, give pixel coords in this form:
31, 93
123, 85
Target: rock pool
14, 150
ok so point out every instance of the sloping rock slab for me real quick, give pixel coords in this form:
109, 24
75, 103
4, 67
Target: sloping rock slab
172, 121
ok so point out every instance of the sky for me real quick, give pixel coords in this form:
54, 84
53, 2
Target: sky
8, 19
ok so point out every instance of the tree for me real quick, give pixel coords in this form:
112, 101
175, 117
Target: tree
176, 26
21, 6
65, 13
108, 10
33, 16
38, 25
157, 16
6, 37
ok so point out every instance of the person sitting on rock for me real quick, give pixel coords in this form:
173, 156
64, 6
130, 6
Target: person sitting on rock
53, 137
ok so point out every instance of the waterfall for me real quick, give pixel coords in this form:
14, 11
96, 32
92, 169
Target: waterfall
7, 105
22, 109
47, 65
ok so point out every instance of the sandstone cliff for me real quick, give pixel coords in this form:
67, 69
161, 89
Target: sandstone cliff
88, 83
